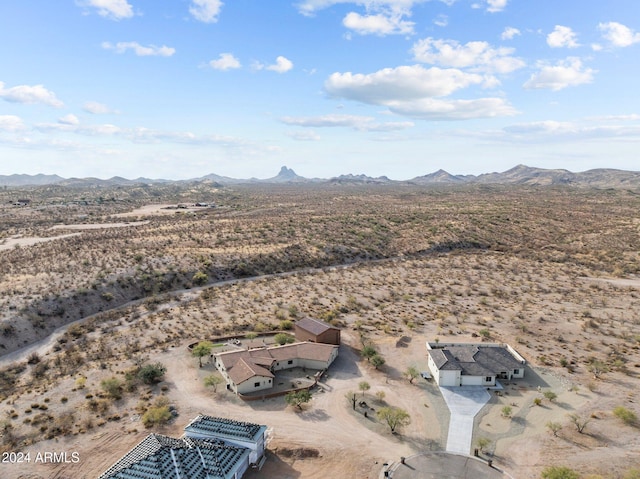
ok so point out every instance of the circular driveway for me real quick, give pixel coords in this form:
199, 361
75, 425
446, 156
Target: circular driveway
442, 465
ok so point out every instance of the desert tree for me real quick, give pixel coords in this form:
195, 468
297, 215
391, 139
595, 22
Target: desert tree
550, 396
580, 422
554, 427
412, 373
298, 398
368, 352
202, 349
364, 386
377, 361
507, 411
213, 381
394, 417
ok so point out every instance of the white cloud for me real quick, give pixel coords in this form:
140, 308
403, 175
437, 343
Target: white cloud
631, 117
361, 123
441, 20
140, 50
87, 130
565, 73
96, 108
437, 109
69, 119
562, 37
551, 130
281, 65
476, 55
496, 5
303, 135
509, 33
410, 90
11, 123
404, 82
309, 7
378, 24
206, 11
30, 95
113, 9
226, 61
618, 35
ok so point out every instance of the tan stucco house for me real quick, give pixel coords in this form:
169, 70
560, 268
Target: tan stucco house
253, 370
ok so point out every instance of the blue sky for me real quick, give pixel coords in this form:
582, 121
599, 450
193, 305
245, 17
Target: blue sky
182, 88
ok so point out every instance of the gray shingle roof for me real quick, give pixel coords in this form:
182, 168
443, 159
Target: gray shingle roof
475, 360
225, 428
163, 457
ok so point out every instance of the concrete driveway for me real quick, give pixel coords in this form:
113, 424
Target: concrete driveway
464, 402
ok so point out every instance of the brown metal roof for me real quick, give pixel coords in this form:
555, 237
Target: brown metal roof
314, 326
244, 364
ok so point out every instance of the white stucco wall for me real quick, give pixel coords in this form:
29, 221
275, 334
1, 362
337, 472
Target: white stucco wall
250, 384
449, 378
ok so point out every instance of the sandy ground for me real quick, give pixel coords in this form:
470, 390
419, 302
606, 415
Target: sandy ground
350, 445
21, 242
97, 226
164, 209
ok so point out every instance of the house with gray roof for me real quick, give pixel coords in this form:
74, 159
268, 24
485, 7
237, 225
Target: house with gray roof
238, 433
163, 457
473, 364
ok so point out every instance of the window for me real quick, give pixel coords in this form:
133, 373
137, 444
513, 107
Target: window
516, 371
290, 361
256, 385
488, 379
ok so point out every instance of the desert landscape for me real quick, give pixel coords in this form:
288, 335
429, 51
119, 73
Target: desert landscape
98, 283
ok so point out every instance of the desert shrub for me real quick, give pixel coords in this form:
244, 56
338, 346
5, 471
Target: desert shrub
34, 358
286, 324
112, 386
200, 278
626, 415
283, 338
156, 416
151, 373
633, 473
559, 472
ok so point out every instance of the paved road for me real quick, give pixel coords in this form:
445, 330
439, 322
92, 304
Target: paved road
440, 465
464, 402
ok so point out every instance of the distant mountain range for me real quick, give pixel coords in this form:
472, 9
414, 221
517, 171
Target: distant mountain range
519, 175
